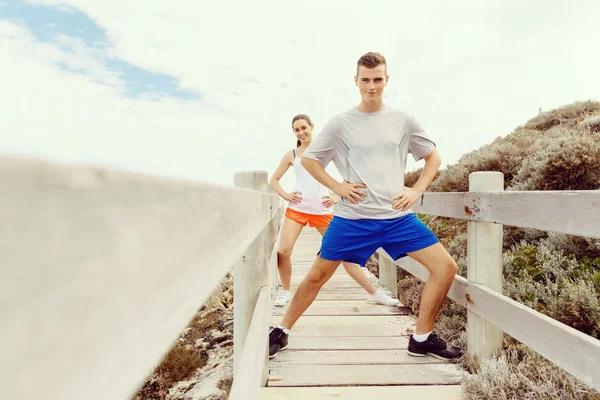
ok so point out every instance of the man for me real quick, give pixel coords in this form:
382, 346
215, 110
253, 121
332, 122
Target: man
369, 145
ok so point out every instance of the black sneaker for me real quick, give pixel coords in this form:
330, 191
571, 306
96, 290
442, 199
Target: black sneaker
278, 340
433, 346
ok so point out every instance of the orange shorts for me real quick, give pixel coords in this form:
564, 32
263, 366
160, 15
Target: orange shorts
311, 219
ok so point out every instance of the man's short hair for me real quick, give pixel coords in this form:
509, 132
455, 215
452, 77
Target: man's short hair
371, 60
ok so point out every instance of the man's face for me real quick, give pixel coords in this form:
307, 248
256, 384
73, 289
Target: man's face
371, 82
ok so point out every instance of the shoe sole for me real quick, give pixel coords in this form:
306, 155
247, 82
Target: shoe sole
283, 348
430, 354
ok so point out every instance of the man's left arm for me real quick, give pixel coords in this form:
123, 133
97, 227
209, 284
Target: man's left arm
404, 200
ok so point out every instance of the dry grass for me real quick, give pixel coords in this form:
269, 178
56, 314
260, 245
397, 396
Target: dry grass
557, 150
180, 363
591, 123
520, 373
186, 358
225, 385
569, 115
410, 178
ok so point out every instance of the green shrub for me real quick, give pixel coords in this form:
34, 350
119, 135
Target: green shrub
577, 305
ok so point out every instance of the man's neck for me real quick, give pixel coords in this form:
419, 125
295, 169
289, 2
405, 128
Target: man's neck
371, 106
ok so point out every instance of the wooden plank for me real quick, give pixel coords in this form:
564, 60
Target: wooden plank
359, 294
351, 325
335, 279
338, 276
340, 308
299, 275
572, 212
337, 283
103, 257
349, 357
446, 392
341, 284
247, 382
299, 342
338, 375
342, 289
301, 272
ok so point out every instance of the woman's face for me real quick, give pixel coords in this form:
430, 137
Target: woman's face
303, 130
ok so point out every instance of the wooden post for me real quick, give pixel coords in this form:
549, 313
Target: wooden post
275, 222
255, 180
484, 267
388, 275
250, 273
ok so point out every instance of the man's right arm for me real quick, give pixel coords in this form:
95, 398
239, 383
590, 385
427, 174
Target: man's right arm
317, 171
346, 190
319, 154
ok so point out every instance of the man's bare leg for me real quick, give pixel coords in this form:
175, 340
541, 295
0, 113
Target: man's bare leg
354, 270
442, 268
320, 273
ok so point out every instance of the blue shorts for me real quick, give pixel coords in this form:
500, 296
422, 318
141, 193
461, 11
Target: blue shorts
355, 240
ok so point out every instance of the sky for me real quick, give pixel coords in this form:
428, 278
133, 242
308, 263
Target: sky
198, 89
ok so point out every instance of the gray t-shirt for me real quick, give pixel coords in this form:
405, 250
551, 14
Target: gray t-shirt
371, 148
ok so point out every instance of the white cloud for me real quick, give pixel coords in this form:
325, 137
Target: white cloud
470, 71
73, 117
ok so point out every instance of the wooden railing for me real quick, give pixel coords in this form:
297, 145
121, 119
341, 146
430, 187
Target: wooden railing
487, 208
254, 283
100, 272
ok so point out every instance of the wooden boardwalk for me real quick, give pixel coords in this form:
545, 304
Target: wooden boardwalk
346, 348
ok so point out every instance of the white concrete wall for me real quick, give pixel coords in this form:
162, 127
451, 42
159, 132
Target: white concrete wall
101, 270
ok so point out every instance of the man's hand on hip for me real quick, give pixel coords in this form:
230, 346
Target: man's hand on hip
350, 191
406, 198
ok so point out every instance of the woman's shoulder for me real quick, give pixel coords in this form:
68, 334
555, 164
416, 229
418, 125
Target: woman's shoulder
290, 155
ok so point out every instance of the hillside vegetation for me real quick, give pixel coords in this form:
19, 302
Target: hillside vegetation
555, 274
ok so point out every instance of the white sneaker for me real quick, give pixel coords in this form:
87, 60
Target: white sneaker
382, 298
282, 297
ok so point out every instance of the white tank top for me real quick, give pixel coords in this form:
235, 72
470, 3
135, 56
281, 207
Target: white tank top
312, 192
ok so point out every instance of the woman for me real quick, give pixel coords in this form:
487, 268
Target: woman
310, 203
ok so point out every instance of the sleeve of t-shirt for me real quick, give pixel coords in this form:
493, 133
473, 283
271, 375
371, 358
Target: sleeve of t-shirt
419, 143
322, 147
